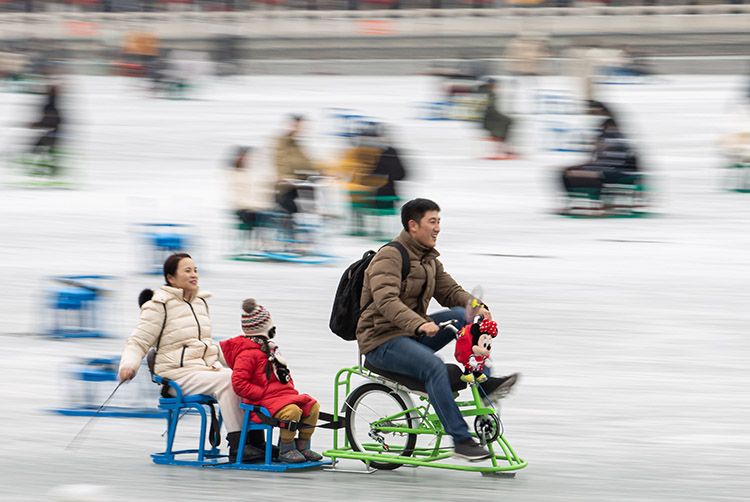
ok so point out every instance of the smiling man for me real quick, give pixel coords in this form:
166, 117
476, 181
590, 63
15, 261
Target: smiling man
394, 331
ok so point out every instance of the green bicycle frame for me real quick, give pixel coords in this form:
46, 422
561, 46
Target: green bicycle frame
503, 459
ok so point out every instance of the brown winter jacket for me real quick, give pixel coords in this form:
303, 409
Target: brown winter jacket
290, 159
399, 308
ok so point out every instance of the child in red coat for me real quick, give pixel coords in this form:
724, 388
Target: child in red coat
260, 376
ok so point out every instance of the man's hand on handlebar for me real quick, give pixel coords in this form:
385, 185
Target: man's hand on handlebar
428, 328
484, 313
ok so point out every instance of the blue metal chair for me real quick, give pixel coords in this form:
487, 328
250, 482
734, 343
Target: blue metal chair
179, 404
176, 407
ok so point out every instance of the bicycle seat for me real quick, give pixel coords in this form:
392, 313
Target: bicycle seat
454, 376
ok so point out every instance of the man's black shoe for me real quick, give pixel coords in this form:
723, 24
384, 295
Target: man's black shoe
498, 388
470, 450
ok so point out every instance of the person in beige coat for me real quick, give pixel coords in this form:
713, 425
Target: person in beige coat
251, 193
176, 321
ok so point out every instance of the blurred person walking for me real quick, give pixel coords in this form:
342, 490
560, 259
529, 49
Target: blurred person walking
175, 321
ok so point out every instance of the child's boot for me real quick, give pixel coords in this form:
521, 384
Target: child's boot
303, 446
289, 454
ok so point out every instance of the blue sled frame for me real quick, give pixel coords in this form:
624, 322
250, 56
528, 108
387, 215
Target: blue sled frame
176, 407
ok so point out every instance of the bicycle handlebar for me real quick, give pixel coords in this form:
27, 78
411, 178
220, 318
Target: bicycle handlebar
449, 324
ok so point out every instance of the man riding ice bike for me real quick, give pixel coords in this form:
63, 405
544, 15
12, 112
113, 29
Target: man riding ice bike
394, 332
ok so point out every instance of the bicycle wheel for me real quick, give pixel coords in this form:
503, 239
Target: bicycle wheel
368, 404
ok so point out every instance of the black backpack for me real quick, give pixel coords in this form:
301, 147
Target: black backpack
346, 311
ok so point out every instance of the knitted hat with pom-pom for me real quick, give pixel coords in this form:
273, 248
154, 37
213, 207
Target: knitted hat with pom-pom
255, 319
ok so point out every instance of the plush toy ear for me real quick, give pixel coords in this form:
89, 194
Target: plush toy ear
475, 331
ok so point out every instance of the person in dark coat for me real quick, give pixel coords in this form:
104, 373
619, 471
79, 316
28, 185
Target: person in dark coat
496, 123
49, 122
613, 161
391, 169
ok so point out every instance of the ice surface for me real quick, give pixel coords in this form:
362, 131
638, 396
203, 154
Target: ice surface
631, 334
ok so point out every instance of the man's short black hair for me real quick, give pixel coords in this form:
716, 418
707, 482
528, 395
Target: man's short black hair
415, 209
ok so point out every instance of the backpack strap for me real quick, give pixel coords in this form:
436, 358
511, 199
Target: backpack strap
405, 266
405, 260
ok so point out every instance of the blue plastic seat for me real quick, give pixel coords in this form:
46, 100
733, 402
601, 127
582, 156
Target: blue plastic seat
168, 241
176, 407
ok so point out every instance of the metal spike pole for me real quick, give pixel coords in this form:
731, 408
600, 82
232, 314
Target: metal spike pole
96, 414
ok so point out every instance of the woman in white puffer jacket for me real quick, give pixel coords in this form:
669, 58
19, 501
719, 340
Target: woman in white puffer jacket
175, 320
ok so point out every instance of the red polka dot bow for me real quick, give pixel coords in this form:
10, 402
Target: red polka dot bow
489, 327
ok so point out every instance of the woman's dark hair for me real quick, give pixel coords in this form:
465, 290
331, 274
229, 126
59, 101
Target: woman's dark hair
415, 209
170, 264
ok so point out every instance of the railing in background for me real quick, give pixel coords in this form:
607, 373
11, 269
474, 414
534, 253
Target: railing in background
247, 5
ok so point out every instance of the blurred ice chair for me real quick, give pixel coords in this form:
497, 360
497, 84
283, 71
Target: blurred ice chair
75, 302
88, 383
555, 102
348, 123
162, 239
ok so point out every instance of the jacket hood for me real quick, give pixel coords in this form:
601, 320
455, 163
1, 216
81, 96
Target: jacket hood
234, 346
164, 293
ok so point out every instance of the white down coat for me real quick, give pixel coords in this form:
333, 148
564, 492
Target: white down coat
185, 343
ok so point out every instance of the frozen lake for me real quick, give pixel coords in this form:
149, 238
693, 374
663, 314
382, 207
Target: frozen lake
631, 334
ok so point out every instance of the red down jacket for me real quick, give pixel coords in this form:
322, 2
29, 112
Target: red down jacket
249, 380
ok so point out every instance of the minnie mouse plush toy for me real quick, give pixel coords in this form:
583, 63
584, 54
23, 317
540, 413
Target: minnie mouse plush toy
473, 347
